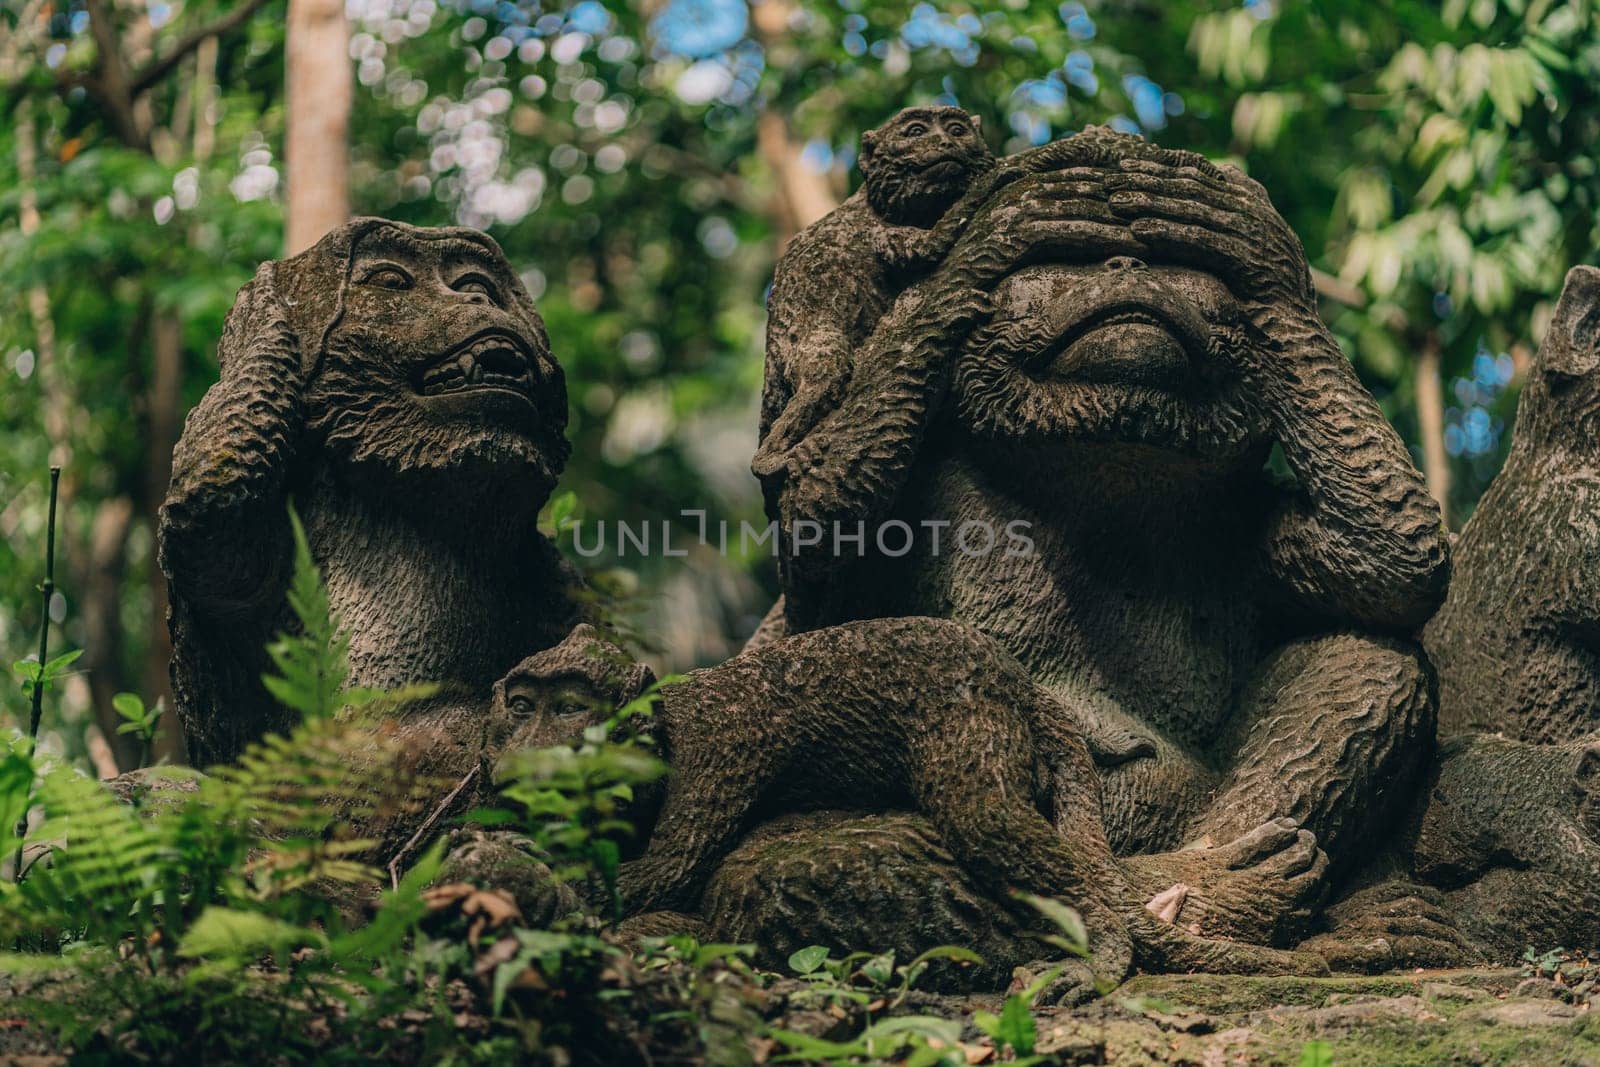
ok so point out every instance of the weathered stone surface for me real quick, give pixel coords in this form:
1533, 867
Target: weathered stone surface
1114, 342
397, 383
1517, 643
1421, 1019
1509, 835
1193, 667
886, 715
916, 167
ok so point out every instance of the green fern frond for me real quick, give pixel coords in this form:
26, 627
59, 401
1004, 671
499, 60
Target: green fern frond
103, 866
313, 666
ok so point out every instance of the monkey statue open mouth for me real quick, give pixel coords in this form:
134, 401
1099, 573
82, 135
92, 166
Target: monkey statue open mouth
398, 384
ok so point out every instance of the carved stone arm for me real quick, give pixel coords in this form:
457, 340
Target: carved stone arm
223, 538
1360, 539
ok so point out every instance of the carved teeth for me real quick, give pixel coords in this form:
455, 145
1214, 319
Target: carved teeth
494, 360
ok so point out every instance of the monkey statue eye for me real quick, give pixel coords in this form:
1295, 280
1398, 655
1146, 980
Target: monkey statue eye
569, 709
387, 278
915, 129
521, 706
476, 283
957, 129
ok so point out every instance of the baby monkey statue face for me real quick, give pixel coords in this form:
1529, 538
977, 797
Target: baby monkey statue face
553, 696
920, 162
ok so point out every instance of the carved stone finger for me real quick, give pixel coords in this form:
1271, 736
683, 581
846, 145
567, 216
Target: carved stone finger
1200, 171
1199, 245
804, 410
1137, 204
1072, 192
1079, 235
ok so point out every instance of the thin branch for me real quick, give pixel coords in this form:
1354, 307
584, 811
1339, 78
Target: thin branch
157, 69
433, 820
1337, 289
108, 84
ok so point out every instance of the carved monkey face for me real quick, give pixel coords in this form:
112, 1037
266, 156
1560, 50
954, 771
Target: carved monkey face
436, 375
553, 696
920, 162
1110, 351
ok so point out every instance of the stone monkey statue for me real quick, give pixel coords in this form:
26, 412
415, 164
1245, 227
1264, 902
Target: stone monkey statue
910, 713
1109, 351
398, 384
1500, 852
1517, 642
839, 275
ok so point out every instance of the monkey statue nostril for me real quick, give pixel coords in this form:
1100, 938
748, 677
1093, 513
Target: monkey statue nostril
1123, 263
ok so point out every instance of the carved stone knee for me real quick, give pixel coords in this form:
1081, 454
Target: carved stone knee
870, 882
1332, 734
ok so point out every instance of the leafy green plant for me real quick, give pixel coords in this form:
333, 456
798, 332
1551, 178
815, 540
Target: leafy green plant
1071, 936
1316, 1053
165, 910
139, 721
913, 1040
1543, 964
46, 676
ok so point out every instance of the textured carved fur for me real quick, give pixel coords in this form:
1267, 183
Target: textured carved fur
915, 168
420, 505
1511, 836
912, 714
1517, 643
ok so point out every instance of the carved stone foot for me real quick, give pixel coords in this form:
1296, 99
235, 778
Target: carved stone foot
1262, 887
1075, 984
1392, 925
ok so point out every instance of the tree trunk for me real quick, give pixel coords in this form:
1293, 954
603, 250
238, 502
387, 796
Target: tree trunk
163, 399
1430, 422
100, 608
804, 195
316, 154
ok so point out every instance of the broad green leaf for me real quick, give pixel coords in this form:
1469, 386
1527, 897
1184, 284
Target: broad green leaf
808, 959
1016, 1026
705, 955
1316, 1053
1074, 937
60, 663
949, 952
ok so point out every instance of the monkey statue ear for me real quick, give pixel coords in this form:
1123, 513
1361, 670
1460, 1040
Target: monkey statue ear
869, 148
640, 678
1571, 347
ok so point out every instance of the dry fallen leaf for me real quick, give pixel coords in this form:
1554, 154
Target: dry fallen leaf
1167, 905
488, 909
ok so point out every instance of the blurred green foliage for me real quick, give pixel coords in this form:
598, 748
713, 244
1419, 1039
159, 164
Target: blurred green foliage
1435, 158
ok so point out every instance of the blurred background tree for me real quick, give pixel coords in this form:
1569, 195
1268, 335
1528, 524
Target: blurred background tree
642, 163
